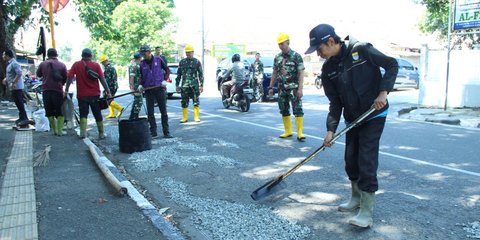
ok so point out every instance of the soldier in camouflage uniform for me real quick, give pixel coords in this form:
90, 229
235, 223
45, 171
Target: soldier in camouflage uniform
288, 69
257, 83
134, 81
189, 83
111, 78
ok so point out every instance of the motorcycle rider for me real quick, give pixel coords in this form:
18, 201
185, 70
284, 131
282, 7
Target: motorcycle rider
238, 77
257, 81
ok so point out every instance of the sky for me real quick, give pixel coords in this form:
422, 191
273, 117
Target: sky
256, 23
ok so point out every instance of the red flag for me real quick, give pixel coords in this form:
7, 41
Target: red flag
57, 5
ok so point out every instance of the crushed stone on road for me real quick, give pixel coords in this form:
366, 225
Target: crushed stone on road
226, 220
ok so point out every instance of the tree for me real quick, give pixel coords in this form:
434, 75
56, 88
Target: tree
96, 15
138, 24
65, 53
436, 22
13, 15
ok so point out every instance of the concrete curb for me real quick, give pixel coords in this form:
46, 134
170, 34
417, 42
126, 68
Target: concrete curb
123, 185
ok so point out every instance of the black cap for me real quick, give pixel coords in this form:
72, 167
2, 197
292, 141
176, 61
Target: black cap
319, 35
137, 55
145, 48
87, 53
52, 52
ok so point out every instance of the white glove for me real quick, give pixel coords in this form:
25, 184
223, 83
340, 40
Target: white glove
140, 88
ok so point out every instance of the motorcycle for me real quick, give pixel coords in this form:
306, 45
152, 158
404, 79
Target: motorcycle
241, 98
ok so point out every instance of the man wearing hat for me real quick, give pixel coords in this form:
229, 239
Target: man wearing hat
111, 77
151, 72
353, 83
134, 82
288, 70
14, 82
54, 75
88, 91
189, 83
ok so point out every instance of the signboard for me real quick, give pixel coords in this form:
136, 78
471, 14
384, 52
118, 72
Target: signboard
227, 50
467, 14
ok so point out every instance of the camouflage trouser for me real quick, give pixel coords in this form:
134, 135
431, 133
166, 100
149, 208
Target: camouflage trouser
192, 92
284, 99
136, 107
257, 85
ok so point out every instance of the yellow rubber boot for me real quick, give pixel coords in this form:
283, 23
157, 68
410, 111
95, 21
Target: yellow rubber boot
101, 130
287, 124
53, 128
196, 113
60, 122
184, 115
299, 124
83, 127
117, 107
111, 113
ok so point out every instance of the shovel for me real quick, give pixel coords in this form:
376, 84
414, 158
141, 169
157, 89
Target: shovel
275, 184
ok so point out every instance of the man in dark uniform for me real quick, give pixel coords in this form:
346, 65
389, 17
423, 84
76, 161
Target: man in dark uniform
353, 84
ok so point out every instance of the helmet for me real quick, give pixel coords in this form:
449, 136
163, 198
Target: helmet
282, 37
145, 48
235, 57
87, 53
103, 58
137, 55
188, 48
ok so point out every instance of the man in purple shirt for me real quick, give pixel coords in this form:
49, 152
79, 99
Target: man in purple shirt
152, 77
54, 75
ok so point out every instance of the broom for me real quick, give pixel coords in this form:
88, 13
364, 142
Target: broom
42, 157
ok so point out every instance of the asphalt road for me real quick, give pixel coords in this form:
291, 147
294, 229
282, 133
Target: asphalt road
429, 175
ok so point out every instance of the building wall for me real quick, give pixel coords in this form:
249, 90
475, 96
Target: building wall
463, 78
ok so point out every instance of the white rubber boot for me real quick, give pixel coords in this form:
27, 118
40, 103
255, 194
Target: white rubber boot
354, 202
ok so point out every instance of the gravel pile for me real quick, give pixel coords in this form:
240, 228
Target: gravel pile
226, 220
472, 229
175, 152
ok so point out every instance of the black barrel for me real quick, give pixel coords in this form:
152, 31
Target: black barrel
134, 135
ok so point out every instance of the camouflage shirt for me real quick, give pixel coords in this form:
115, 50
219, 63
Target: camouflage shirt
189, 72
257, 67
287, 67
134, 71
111, 77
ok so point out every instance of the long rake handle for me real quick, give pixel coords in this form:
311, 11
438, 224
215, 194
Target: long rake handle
321, 148
132, 92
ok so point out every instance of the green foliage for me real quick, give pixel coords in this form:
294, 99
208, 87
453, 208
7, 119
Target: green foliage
65, 53
436, 17
436, 21
149, 22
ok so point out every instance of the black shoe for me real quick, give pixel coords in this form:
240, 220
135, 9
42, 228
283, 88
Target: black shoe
167, 135
154, 135
301, 139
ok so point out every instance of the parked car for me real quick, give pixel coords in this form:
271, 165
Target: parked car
407, 77
247, 60
171, 88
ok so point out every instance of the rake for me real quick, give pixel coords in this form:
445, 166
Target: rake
276, 184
